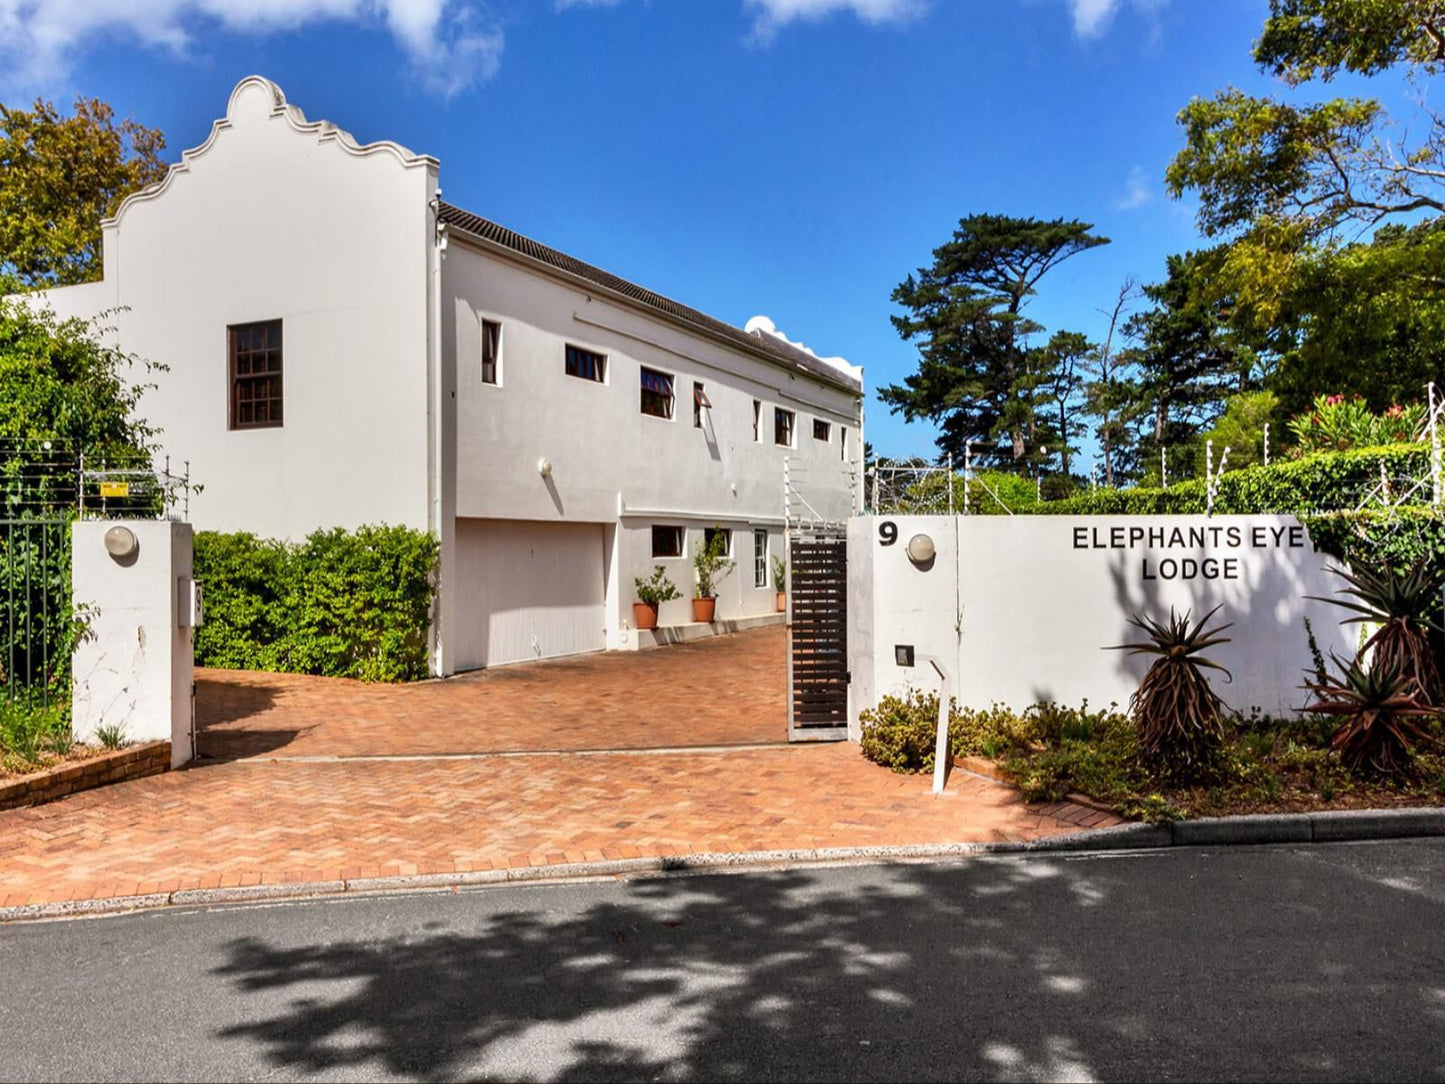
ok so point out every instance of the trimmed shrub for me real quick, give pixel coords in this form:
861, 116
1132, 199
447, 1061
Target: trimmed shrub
342, 603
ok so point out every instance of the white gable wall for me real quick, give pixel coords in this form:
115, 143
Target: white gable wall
275, 218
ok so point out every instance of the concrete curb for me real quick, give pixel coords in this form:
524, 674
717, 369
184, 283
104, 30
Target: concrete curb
1327, 827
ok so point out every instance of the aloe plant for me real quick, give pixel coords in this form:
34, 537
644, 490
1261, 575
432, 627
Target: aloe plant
1178, 714
1401, 604
1382, 715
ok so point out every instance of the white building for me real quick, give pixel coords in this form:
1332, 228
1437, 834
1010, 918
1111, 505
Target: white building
344, 348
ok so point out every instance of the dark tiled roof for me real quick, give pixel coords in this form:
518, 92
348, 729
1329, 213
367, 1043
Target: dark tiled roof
754, 342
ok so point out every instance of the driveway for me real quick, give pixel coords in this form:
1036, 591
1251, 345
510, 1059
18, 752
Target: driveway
662, 753
726, 691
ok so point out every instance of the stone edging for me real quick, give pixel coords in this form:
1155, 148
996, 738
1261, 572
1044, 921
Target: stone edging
133, 762
1332, 826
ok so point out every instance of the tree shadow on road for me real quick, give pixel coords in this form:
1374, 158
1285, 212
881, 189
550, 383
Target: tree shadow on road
1005, 968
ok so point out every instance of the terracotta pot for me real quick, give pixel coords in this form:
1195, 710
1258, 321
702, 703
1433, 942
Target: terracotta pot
782, 602
703, 608
645, 613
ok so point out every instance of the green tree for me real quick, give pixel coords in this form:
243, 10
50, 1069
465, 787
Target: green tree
1188, 360
1111, 394
1241, 430
978, 378
1062, 361
59, 176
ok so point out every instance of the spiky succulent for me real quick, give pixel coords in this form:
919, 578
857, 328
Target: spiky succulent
1381, 712
1401, 603
1178, 713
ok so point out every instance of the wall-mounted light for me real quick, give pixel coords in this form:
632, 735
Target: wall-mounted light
544, 467
920, 549
121, 543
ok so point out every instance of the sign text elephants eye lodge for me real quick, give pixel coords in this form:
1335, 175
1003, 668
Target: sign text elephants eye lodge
1231, 539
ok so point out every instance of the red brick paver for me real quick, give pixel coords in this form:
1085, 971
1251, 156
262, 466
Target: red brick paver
269, 823
714, 692
270, 820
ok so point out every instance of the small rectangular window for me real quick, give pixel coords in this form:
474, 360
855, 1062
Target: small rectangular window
760, 558
700, 402
656, 393
822, 430
783, 427
254, 372
716, 532
491, 350
586, 364
757, 421
666, 541
843, 444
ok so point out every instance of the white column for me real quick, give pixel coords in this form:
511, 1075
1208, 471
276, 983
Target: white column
133, 667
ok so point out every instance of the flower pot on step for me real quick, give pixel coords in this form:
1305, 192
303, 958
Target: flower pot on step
782, 602
703, 609
645, 615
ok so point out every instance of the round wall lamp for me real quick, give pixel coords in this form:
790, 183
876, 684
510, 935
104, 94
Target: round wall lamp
921, 550
544, 467
121, 543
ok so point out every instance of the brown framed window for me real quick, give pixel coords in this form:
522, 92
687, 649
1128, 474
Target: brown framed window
254, 367
783, 427
586, 364
757, 421
657, 394
666, 541
822, 430
713, 533
491, 351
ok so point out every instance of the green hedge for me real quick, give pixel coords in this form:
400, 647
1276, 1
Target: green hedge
1322, 482
341, 604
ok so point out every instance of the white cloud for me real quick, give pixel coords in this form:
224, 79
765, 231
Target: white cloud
1093, 17
442, 38
772, 15
1137, 190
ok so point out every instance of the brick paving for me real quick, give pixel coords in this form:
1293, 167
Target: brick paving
271, 820
729, 690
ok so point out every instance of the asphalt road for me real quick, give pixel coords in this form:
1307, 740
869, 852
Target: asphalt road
1300, 963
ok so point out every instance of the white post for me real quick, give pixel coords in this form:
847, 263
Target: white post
967, 471
1163, 468
940, 745
950, 483
1434, 447
1266, 444
133, 669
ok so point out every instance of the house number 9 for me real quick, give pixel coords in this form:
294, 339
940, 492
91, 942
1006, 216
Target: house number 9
887, 533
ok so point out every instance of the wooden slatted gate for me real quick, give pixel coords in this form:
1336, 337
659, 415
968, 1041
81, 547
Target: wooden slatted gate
818, 636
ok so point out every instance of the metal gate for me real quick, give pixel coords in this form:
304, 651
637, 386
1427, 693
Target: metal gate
817, 634
35, 626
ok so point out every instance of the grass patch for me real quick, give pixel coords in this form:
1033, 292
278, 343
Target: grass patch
1050, 751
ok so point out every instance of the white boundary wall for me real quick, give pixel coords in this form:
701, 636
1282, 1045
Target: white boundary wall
1021, 606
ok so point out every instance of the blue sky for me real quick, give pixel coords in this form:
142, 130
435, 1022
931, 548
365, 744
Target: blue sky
790, 157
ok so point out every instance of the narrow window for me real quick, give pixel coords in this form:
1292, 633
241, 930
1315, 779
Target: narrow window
491, 350
757, 421
760, 558
586, 364
822, 430
716, 532
843, 444
656, 393
666, 541
783, 427
254, 366
700, 402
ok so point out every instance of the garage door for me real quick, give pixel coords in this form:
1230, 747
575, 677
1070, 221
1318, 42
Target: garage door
528, 590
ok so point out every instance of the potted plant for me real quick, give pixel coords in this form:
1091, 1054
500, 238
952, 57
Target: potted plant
711, 564
651, 594
780, 583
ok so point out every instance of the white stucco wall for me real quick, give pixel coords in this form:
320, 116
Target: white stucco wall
1025, 605
271, 218
603, 449
133, 668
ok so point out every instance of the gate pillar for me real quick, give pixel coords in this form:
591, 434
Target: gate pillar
133, 665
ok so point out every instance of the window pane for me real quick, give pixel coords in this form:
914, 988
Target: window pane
666, 541
255, 374
821, 430
760, 558
783, 426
